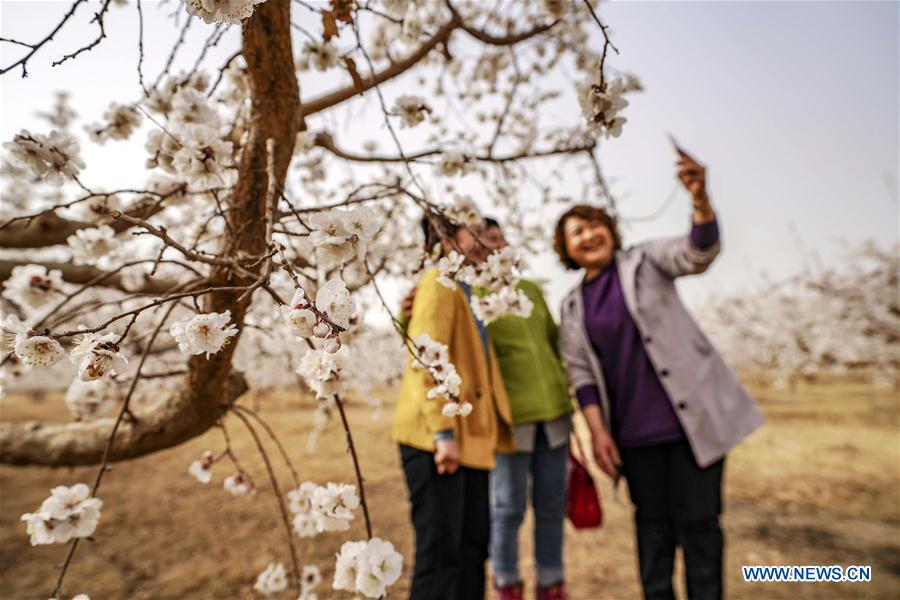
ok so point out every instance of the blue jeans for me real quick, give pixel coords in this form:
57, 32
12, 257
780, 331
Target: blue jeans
509, 497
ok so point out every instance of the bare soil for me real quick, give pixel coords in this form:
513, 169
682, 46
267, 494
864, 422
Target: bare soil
818, 485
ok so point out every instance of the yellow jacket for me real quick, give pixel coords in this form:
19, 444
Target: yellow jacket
444, 314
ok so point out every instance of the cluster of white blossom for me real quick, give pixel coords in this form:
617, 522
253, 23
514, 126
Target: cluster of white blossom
120, 122
508, 301
221, 11
601, 103
326, 318
93, 246
203, 333
93, 400
843, 320
434, 357
32, 287
500, 274
367, 567
272, 581
326, 373
69, 512
97, 356
339, 235
318, 509
52, 158
412, 110
192, 146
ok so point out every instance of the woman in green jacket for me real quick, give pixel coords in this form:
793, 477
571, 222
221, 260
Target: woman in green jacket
538, 391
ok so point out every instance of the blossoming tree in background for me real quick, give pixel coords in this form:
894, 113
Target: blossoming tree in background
247, 250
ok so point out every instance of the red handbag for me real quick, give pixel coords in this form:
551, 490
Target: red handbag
582, 501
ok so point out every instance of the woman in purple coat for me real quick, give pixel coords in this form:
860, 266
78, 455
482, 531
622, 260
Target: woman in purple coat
662, 406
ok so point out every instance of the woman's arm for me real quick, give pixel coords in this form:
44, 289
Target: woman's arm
605, 452
691, 254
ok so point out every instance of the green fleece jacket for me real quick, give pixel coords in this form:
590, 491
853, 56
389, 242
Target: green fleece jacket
528, 353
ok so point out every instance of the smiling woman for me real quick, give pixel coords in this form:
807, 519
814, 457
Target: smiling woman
662, 411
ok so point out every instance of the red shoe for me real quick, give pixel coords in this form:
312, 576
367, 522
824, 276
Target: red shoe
556, 591
514, 591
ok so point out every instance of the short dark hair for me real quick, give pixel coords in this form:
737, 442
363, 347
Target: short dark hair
491, 222
588, 213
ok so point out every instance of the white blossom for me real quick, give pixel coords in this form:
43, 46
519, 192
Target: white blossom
449, 266
323, 55
97, 356
411, 109
120, 122
91, 245
299, 315
301, 498
35, 348
203, 157
91, 400
203, 333
201, 471
221, 11
318, 509
162, 147
326, 373
52, 158
333, 506
305, 525
453, 163
236, 485
272, 581
32, 286
190, 106
335, 300
310, 578
434, 357
69, 512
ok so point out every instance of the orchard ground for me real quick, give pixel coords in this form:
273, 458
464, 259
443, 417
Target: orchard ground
818, 485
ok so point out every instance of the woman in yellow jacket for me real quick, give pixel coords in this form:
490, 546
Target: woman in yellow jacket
446, 460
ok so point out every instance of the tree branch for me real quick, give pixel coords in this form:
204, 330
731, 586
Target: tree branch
87, 274
328, 100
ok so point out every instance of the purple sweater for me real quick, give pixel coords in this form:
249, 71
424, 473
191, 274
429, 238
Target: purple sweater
642, 414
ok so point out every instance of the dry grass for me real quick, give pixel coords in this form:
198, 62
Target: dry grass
818, 485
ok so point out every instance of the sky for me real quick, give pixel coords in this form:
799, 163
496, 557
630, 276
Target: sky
792, 106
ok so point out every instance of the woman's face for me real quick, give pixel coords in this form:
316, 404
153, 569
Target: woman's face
492, 237
467, 243
588, 243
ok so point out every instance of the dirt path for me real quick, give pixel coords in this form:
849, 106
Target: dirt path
820, 485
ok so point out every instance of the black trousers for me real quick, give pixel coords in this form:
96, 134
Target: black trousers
451, 516
676, 503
